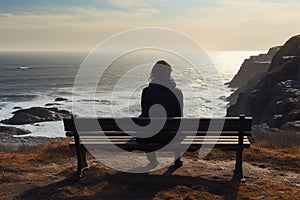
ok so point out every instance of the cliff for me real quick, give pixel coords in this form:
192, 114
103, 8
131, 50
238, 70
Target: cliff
274, 98
252, 67
250, 72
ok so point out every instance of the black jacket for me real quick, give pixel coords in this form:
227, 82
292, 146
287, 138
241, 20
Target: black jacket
170, 98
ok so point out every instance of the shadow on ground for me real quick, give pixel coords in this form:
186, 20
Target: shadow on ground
97, 184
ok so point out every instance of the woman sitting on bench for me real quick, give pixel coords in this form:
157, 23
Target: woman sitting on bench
161, 91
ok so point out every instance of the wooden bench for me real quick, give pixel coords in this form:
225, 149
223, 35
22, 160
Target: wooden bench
234, 135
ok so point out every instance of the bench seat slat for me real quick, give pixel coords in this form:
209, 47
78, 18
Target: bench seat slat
196, 140
186, 137
203, 124
121, 134
185, 141
131, 147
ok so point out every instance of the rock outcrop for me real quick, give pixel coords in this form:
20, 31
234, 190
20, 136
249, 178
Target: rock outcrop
52, 104
251, 72
253, 67
13, 130
60, 99
274, 99
34, 115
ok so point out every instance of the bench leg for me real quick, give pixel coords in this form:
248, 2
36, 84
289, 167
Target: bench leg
238, 172
81, 161
81, 156
84, 164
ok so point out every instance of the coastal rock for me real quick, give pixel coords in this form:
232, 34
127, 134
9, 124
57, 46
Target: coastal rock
36, 114
60, 99
52, 104
250, 73
291, 125
17, 107
252, 67
13, 130
274, 98
289, 51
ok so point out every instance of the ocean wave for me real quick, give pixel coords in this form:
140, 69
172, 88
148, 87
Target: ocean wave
17, 97
23, 67
103, 102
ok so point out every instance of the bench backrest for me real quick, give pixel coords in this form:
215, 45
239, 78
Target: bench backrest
231, 125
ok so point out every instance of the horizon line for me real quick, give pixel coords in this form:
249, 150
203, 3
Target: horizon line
86, 50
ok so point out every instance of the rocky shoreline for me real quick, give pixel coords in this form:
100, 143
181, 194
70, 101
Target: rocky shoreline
13, 130
13, 138
35, 115
10, 143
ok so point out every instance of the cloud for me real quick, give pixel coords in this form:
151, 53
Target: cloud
230, 24
56, 16
128, 3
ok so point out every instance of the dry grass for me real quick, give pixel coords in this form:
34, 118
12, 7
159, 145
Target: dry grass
280, 159
267, 190
53, 151
264, 136
274, 147
246, 191
187, 193
29, 159
16, 162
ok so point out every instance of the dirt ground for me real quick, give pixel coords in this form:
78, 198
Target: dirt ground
48, 172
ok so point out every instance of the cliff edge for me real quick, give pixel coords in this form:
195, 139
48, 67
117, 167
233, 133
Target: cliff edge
274, 98
251, 72
252, 67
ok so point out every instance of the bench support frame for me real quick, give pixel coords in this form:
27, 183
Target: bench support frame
81, 155
238, 171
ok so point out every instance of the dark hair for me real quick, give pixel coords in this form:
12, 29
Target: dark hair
163, 62
161, 73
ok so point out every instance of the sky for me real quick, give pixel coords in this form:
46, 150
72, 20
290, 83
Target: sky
82, 24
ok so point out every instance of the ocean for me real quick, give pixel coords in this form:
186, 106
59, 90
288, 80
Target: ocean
32, 78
